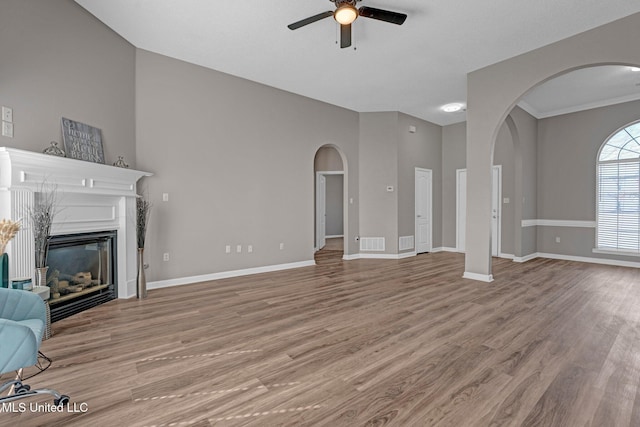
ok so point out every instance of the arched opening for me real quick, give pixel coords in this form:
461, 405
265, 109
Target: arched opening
330, 204
481, 155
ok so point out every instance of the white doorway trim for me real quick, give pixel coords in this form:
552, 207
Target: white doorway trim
420, 219
461, 208
496, 211
321, 197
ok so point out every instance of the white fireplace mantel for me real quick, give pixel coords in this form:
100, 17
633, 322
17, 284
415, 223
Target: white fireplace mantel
89, 197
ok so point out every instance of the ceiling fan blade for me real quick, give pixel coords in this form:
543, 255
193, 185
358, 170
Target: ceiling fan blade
382, 15
345, 35
310, 20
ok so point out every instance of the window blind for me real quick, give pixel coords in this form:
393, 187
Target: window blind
619, 206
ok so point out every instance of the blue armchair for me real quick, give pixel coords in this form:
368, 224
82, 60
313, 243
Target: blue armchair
22, 323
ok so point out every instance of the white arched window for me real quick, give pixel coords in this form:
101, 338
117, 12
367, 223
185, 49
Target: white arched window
619, 192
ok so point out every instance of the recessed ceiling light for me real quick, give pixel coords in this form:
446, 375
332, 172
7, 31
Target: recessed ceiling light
452, 108
634, 68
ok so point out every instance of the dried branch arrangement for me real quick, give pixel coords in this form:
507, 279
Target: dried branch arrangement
143, 210
41, 216
8, 229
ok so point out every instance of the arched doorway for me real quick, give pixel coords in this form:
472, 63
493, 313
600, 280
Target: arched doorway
492, 92
330, 203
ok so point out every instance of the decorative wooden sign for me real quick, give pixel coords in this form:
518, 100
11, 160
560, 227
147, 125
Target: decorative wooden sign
82, 142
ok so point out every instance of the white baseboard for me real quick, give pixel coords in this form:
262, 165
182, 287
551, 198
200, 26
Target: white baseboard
333, 236
525, 258
507, 256
578, 259
407, 254
591, 260
227, 274
444, 249
479, 277
379, 256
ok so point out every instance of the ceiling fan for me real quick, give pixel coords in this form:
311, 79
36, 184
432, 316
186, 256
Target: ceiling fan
346, 12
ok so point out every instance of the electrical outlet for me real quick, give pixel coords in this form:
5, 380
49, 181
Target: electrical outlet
165, 257
165, 197
7, 129
227, 249
7, 114
557, 239
250, 248
239, 248
281, 246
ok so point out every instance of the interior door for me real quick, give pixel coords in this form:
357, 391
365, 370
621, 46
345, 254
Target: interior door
321, 211
423, 210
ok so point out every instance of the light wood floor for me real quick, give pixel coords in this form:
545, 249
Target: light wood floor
360, 343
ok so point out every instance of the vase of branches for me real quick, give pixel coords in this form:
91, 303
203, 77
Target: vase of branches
8, 230
41, 216
143, 209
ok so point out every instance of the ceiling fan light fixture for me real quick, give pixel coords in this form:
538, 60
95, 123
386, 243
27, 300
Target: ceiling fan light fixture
345, 14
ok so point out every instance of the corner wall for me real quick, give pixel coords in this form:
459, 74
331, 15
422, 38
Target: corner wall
59, 61
237, 160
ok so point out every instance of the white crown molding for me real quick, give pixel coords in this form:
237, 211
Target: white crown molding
576, 108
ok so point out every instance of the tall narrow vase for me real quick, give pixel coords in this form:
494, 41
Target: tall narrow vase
4, 270
142, 280
41, 276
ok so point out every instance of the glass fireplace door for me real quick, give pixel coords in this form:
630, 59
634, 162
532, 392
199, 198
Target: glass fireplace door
81, 272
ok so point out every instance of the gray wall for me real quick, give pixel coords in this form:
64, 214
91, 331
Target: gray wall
389, 154
379, 169
237, 159
56, 61
334, 205
421, 149
524, 132
454, 156
568, 147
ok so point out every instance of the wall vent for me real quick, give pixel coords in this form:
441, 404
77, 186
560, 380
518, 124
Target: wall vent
405, 242
374, 244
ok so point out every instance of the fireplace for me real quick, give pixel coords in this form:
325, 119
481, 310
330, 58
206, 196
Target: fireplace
94, 198
82, 272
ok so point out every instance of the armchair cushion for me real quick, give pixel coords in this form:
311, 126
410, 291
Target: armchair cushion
22, 323
18, 344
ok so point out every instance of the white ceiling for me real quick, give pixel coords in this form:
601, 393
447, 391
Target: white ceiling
414, 68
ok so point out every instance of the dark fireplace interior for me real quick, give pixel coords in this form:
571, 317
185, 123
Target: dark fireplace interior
82, 272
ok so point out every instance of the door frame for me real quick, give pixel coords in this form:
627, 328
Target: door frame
317, 199
458, 180
498, 231
415, 209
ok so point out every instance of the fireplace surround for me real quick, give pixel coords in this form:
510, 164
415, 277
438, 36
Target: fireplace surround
91, 197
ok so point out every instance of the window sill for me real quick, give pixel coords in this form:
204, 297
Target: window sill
615, 252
